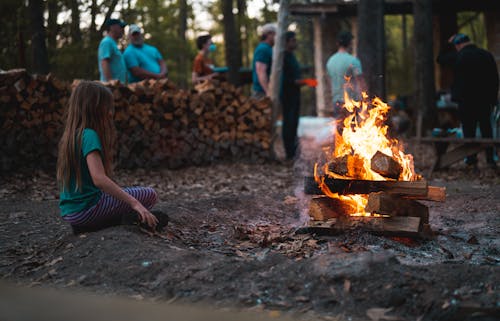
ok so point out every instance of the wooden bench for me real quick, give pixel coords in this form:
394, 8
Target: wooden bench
466, 147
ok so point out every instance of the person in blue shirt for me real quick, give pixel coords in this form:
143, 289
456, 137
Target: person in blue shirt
262, 61
143, 61
345, 74
110, 59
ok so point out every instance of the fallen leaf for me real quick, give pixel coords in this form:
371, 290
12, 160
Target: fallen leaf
347, 286
54, 261
377, 314
290, 200
274, 314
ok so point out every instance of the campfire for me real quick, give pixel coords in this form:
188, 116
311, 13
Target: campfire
366, 180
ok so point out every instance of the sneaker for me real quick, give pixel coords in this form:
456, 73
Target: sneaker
130, 218
492, 165
162, 219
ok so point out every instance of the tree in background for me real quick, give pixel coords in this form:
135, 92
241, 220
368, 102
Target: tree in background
232, 42
38, 46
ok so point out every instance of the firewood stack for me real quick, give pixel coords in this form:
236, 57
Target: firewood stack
157, 124
31, 112
393, 202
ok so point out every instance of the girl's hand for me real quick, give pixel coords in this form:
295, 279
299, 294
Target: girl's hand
145, 216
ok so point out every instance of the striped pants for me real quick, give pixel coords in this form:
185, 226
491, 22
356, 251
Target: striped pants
109, 211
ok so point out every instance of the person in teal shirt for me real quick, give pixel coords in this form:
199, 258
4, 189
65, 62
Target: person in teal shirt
89, 199
110, 59
143, 61
262, 61
341, 65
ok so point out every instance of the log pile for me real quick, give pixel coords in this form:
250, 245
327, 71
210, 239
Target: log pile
31, 112
157, 124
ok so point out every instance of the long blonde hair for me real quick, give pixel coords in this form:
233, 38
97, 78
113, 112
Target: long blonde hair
89, 106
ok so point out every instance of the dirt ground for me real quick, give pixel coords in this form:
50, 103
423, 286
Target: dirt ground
231, 242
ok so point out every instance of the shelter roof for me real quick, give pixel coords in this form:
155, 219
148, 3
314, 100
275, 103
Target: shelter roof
349, 7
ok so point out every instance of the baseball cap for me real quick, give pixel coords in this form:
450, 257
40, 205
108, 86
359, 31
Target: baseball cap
133, 28
267, 28
344, 37
111, 22
460, 38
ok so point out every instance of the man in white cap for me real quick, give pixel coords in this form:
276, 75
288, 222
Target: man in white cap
262, 61
143, 61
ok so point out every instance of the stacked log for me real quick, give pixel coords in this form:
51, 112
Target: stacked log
157, 124
31, 115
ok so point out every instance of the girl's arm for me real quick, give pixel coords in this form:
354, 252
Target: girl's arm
103, 182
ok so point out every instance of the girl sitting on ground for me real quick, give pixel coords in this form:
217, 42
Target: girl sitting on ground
89, 199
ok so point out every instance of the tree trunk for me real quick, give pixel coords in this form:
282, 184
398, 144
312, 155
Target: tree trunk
108, 15
371, 45
20, 36
76, 34
182, 62
231, 41
424, 64
447, 27
277, 67
38, 46
243, 24
53, 10
94, 33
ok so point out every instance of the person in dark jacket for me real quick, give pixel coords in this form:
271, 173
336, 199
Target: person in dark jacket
290, 95
475, 89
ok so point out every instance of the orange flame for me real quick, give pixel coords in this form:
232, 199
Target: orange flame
364, 134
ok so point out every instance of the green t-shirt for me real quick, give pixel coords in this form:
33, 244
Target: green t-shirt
264, 54
72, 200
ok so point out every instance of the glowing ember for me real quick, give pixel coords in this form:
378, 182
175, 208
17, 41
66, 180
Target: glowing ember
363, 134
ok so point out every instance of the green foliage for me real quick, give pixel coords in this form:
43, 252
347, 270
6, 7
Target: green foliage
399, 56
12, 15
472, 24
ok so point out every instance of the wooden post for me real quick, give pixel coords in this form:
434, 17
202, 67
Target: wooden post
424, 64
446, 27
325, 32
493, 35
277, 67
371, 45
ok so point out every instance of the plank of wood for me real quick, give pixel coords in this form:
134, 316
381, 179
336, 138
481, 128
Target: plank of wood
459, 153
346, 186
434, 193
393, 205
385, 226
456, 140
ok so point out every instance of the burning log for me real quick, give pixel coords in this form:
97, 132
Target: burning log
347, 186
322, 208
339, 165
385, 165
392, 205
347, 165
